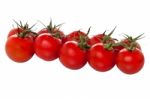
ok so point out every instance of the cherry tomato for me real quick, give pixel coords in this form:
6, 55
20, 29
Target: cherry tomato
130, 62
19, 49
47, 47
100, 58
72, 56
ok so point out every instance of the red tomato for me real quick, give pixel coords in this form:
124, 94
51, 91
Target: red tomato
100, 58
47, 47
72, 56
14, 31
19, 49
130, 62
75, 36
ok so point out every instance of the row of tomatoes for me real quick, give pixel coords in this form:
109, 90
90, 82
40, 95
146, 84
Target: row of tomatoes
74, 50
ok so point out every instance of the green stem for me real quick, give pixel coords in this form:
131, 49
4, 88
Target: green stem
108, 46
22, 34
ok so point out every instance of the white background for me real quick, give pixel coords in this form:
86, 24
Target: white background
38, 79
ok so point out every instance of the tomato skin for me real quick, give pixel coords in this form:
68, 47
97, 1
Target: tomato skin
43, 31
100, 58
72, 56
19, 49
96, 39
47, 47
130, 62
75, 36
14, 31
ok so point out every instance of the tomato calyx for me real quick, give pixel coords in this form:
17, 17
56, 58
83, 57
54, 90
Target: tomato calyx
26, 34
130, 42
108, 41
108, 46
22, 34
107, 38
57, 35
83, 40
53, 29
83, 43
24, 26
26, 30
131, 39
